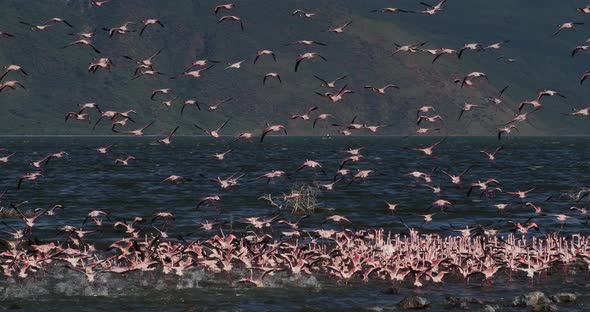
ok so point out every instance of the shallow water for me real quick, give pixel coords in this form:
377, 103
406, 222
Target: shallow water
86, 180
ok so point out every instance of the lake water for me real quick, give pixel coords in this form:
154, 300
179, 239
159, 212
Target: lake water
86, 180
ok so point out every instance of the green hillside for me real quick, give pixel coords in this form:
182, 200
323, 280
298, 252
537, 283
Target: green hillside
58, 78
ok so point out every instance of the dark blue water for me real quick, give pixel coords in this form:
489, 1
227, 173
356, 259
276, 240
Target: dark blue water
86, 180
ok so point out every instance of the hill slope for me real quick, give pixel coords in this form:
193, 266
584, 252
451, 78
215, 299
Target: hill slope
58, 79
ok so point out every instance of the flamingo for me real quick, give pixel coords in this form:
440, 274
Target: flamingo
227, 6
568, 25
5, 35
124, 162
469, 46
6, 158
585, 10
265, 52
339, 29
302, 13
12, 67
99, 3
311, 164
272, 128
456, 179
321, 117
138, 132
166, 140
471, 76
496, 46
336, 97
160, 91
306, 42
235, 65
33, 176
36, 27
307, 56
434, 9
412, 48
391, 10
78, 116
467, 107
232, 18
103, 62
304, 116
213, 133
104, 149
11, 84
83, 42
121, 30
442, 52
429, 150
150, 21
175, 179
581, 112
492, 155
271, 75
381, 90
506, 130
194, 73
521, 194
330, 84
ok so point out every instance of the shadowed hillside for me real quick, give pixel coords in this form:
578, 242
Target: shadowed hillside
58, 78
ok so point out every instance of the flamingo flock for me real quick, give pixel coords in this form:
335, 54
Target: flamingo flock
269, 244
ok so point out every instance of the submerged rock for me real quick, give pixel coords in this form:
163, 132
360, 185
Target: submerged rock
414, 302
535, 301
487, 308
564, 297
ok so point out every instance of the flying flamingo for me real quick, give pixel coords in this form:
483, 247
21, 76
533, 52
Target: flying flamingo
138, 132
307, 56
492, 156
271, 75
429, 150
321, 117
194, 73
83, 42
339, 29
304, 116
11, 84
412, 48
496, 46
331, 84
272, 128
302, 13
166, 140
103, 62
9, 68
227, 6
232, 18
521, 194
336, 97
471, 76
265, 52
213, 133
235, 65
5, 35
381, 90
469, 46
151, 21
124, 162
568, 25
467, 107
121, 30
391, 10
6, 158
306, 42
